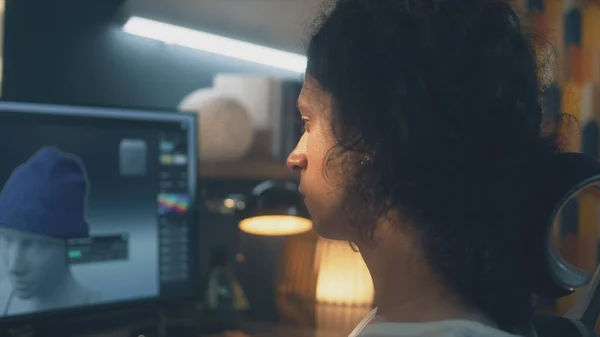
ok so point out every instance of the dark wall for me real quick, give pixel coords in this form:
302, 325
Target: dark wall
74, 52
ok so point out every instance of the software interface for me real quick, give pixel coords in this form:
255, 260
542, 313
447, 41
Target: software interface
93, 211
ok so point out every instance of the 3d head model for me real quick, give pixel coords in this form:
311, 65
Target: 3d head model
42, 205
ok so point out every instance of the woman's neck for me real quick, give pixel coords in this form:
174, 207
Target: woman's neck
406, 288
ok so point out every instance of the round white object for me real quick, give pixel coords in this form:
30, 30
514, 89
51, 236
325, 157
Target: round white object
225, 127
261, 94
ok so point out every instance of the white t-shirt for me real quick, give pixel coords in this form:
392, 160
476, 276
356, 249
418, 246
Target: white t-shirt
368, 327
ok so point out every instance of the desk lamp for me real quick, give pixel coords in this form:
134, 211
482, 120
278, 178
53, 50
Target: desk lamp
320, 283
274, 209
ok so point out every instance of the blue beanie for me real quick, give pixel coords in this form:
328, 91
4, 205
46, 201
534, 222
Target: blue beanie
46, 196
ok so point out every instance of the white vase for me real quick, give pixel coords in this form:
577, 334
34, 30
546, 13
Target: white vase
262, 95
225, 127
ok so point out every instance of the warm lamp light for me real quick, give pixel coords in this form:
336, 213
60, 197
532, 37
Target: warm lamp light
275, 209
275, 225
344, 292
343, 275
323, 284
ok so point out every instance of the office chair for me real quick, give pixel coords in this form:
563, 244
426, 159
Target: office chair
571, 175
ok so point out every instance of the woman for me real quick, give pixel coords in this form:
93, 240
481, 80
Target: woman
422, 128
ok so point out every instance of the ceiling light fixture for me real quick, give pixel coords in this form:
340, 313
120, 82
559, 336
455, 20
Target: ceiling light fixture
219, 45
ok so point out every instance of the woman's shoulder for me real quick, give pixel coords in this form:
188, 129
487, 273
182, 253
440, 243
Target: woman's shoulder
451, 328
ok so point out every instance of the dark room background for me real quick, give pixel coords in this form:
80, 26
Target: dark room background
74, 52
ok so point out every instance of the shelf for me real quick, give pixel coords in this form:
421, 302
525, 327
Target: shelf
245, 169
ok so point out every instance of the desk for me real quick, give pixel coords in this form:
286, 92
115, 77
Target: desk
253, 329
256, 329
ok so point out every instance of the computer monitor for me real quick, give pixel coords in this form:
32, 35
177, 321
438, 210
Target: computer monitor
97, 208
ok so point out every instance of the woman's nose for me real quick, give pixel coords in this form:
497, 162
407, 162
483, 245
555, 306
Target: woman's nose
297, 160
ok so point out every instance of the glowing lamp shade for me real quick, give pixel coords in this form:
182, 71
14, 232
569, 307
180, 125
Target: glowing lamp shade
275, 209
323, 284
275, 225
343, 277
320, 283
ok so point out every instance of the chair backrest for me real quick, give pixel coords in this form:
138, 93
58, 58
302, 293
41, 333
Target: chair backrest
580, 321
554, 277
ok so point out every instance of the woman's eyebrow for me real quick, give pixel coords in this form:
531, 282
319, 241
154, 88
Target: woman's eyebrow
303, 105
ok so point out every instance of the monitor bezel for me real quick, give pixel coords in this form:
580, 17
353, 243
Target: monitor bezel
133, 307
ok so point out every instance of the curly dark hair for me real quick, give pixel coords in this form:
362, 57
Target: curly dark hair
443, 100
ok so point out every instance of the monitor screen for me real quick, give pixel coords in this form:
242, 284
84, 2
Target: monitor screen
96, 207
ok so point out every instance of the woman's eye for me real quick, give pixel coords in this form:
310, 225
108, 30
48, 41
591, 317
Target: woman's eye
303, 127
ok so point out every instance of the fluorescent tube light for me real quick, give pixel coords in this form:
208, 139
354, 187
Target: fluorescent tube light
215, 44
